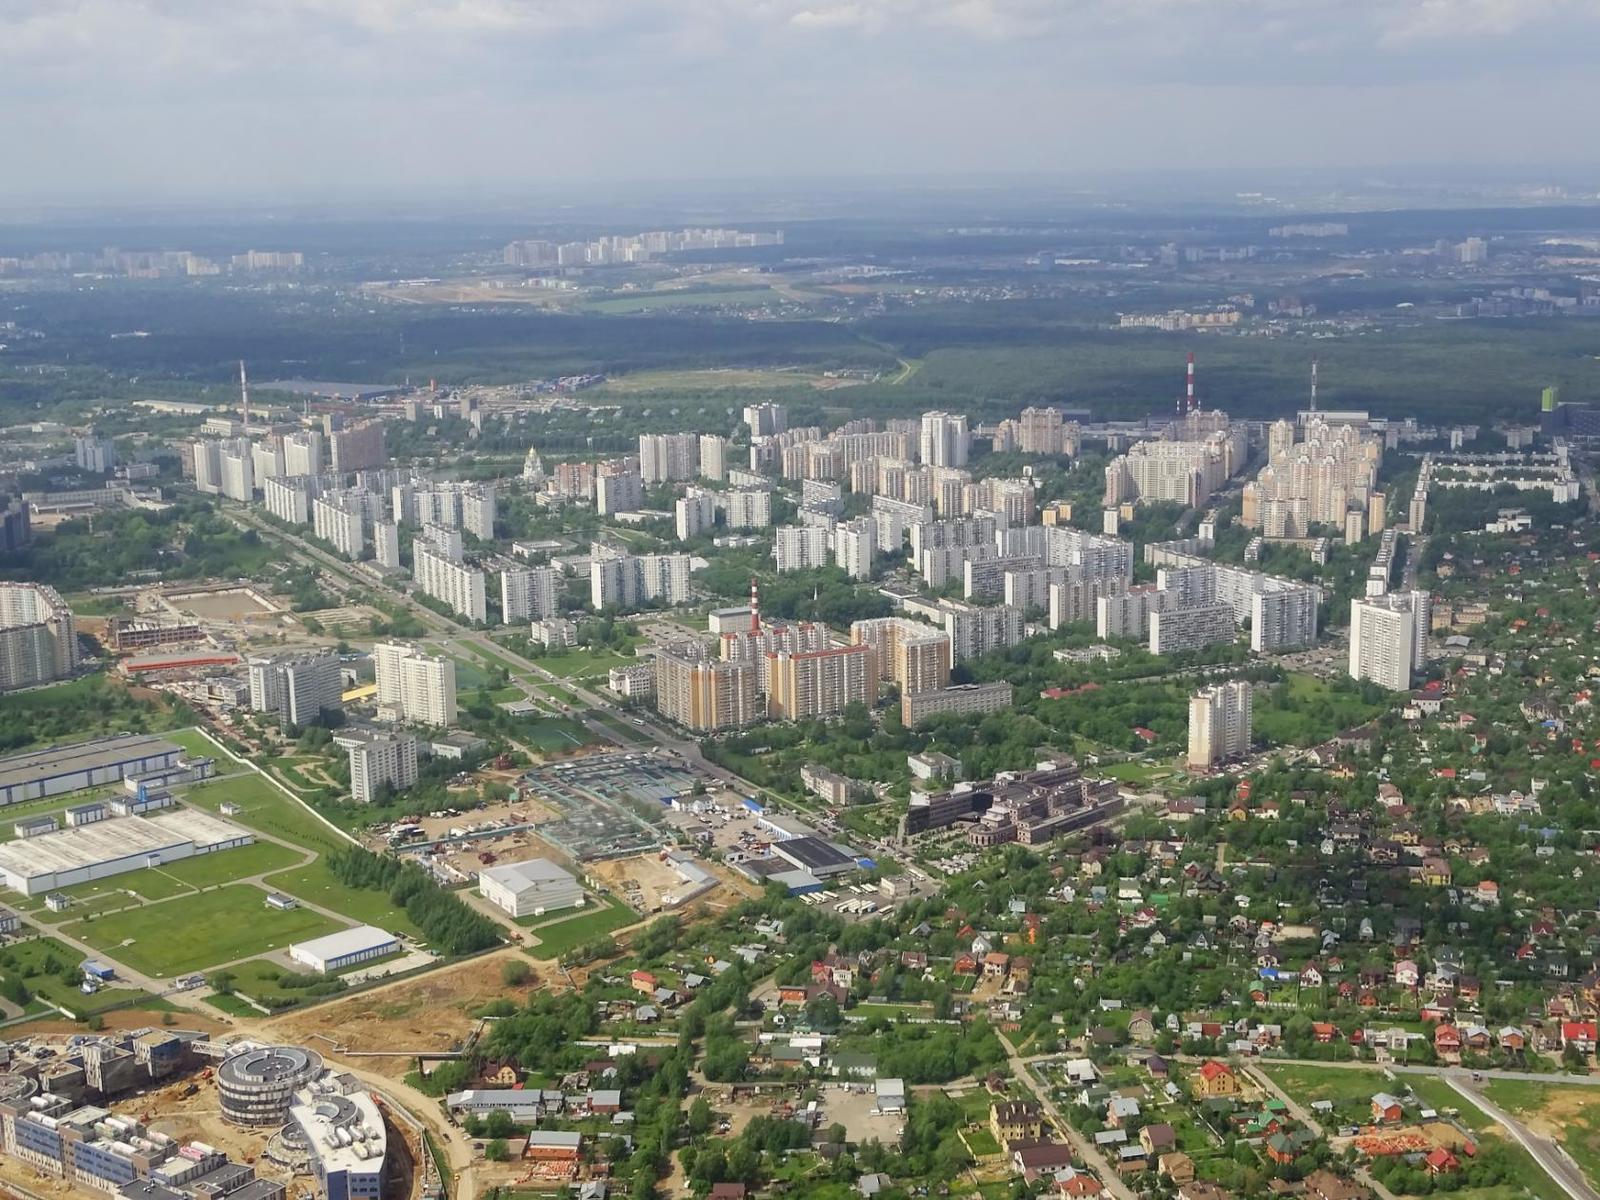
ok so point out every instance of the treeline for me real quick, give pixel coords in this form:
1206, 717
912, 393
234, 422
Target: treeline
448, 924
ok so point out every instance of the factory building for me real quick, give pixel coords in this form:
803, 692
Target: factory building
101, 848
59, 770
525, 889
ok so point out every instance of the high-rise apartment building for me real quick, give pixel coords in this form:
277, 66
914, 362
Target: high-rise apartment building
618, 488
758, 645
819, 683
296, 688
694, 513
1219, 724
705, 694
800, 547
94, 453
664, 457
766, 420
975, 630
912, 655
621, 580
854, 545
339, 518
945, 441
380, 762
1039, 431
713, 457
1389, 637
238, 470
386, 544
38, 637
529, 593
304, 452
413, 685
459, 586
1176, 630
746, 508
358, 447
289, 498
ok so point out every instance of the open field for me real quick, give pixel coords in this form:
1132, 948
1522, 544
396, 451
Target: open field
1570, 1115
265, 808
553, 734
195, 932
430, 1013
198, 743
578, 662
1348, 1089
564, 931
314, 882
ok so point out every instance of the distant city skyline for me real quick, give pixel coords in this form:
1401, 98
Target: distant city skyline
108, 102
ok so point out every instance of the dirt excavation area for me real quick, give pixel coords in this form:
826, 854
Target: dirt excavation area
427, 1015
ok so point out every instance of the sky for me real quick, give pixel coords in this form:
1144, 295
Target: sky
136, 101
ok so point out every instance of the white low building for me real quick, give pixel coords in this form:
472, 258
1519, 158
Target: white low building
335, 951
525, 889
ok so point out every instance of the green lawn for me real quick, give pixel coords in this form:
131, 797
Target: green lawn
560, 932
196, 742
316, 883
267, 809
1350, 1090
579, 662
195, 932
552, 733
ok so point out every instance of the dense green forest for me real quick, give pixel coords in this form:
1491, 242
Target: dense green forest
186, 541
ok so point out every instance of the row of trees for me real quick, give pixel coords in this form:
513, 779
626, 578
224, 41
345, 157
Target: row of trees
450, 925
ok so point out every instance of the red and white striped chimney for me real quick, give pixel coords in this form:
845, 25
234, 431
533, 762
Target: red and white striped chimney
1189, 399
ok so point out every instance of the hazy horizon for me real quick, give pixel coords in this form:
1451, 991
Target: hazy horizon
163, 102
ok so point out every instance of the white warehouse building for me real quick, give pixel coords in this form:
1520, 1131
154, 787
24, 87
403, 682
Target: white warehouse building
103, 848
336, 951
526, 888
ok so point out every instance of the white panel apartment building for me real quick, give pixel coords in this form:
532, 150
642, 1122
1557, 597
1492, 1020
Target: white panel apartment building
974, 630
296, 688
238, 470
455, 584
800, 547
379, 759
289, 498
944, 439
694, 513
854, 545
467, 506
415, 686
1389, 638
713, 457
339, 518
1175, 630
747, 508
1219, 724
529, 593
620, 580
668, 456
304, 453
386, 544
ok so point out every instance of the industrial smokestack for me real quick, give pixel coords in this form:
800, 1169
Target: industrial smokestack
1189, 400
755, 605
